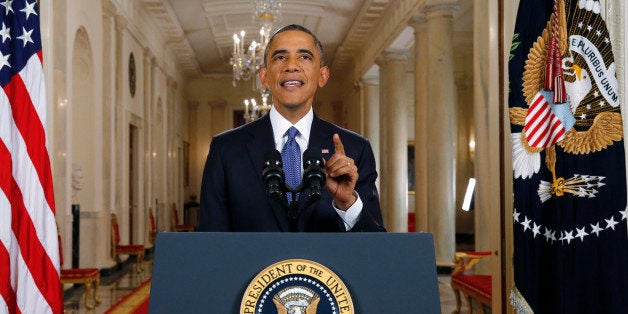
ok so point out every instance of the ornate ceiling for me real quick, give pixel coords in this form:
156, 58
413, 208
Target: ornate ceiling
200, 31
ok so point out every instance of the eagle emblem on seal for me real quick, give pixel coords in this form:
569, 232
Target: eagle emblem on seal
296, 300
589, 119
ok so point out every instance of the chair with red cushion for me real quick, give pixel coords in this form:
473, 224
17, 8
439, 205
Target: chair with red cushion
87, 276
472, 286
120, 249
176, 226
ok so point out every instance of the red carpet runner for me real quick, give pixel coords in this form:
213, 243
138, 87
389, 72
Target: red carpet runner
136, 302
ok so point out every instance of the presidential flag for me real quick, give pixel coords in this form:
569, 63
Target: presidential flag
569, 215
29, 252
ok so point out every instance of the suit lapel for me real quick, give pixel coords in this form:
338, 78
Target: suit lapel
321, 140
262, 140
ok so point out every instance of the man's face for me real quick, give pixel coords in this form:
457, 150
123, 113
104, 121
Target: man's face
293, 71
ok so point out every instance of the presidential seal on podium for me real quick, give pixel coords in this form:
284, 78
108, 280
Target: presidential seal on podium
296, 286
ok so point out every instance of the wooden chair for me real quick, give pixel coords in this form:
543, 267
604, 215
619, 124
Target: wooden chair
152, 227
118, 249
87, 276
472, 286
176, 226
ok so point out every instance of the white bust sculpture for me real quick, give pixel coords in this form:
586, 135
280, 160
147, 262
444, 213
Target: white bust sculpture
77, 179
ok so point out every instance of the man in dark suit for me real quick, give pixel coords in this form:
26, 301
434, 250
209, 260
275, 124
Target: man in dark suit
233, 195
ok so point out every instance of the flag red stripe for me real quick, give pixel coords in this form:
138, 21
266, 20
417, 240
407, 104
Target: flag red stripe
537, 121
542, 127
41, 268
536, 109
557, 131
38, 262
541, 139
538, 131
6, 291
31, 129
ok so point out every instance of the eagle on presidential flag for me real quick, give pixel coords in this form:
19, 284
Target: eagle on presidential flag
569, 177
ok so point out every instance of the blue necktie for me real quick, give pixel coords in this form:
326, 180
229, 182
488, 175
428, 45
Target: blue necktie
291, 158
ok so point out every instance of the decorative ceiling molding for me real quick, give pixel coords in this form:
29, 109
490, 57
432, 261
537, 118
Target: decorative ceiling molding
225, 18
163, 15
391, 25
377, 26
360, 32
354, 32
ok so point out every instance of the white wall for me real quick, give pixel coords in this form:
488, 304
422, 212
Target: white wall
87, 82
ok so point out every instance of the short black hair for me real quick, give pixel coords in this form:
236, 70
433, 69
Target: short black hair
296, 27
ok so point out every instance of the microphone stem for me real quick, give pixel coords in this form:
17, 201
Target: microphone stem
293, 215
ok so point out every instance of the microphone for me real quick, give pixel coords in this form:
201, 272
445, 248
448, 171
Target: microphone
313, 175
275, 182
272, 175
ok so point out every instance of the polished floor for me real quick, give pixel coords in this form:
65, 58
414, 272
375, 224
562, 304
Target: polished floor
113, 288
116, 286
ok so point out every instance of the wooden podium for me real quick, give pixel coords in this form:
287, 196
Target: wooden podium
210, 272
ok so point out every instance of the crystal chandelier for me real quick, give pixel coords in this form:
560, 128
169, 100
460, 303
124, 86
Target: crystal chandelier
253, 111
246, 61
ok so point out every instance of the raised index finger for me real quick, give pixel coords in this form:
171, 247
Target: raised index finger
338, 144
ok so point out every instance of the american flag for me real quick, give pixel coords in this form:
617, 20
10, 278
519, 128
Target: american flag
29, 252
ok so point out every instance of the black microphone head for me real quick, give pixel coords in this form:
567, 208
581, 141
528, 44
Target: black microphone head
313, 174
313, 166
272, 156
312, 156
272, 174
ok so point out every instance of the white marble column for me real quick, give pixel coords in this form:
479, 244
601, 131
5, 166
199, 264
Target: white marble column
171, 168
147, 129
121, 23
370, 101
383, 173
441, 130
420, 122
396, 143
108, 67
103, 255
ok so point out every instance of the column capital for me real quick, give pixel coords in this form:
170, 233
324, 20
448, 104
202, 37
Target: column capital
109, 8
380, 61
442, 9
395, 55
148, 55
370, 80
121, 22
417, 21
220, 103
